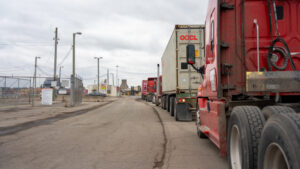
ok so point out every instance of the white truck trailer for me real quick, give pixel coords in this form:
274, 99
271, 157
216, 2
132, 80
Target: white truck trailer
180, 81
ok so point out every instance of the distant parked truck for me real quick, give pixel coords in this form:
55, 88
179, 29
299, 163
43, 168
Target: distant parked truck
151, 88
179, 80
144, 89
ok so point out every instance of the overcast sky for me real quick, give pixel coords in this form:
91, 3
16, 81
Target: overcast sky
130, 33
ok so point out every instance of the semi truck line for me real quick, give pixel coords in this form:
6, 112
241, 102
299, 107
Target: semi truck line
238, 77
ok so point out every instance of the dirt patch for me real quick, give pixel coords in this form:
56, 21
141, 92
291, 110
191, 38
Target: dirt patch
25, 126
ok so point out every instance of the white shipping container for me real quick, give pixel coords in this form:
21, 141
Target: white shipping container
175, 70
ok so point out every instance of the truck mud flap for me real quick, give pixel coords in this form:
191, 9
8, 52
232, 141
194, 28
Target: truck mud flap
183, 113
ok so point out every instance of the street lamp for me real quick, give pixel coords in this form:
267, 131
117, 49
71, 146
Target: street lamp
98, 64
72, 99
74, 35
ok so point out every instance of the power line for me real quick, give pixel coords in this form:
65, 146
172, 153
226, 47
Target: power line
44, 72
66, 56
30, 44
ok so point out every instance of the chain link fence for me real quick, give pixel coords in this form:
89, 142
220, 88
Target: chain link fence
19, 90
76, 90
14, 90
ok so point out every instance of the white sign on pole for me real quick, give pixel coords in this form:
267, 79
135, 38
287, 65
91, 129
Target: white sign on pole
65, 83
53, 83
47, 96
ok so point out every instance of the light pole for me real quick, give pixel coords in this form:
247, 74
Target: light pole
72, 99
74, 35
34, 78
98, 78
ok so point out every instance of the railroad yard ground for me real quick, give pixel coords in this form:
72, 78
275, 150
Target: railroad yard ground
117, 133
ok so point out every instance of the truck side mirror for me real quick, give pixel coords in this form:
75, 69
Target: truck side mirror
190, 54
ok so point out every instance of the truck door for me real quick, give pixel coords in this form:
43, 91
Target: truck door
210, 85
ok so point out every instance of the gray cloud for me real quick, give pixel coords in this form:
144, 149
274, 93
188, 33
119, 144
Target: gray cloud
132, 34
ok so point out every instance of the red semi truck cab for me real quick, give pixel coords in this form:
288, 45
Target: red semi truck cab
151, 88
144, 89
250, 93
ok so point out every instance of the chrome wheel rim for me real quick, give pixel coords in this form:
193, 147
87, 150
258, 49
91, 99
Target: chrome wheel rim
275, 158
235, 148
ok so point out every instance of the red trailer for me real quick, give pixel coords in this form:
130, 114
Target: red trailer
250, 93
144, 89
151, 88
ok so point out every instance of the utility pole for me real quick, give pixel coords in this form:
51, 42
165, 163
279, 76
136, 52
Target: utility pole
55, 61
34, 78
55, 54
98, 77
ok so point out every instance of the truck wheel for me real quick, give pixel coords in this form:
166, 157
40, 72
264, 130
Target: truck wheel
175, 111
172, 105
244, 131
168, 103
165, 103
271, 110
153, 99
280, 142
162, 102
200, 133
157, 102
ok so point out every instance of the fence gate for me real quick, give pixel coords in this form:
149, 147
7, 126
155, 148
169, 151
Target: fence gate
76, 90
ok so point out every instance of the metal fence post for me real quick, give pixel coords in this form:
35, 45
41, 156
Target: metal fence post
29, 92
72, 91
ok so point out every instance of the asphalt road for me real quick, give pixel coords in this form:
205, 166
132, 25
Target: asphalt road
125, 134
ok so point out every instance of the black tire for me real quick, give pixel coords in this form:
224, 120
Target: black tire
175, 111
162, 102
271, 110
243, 134
201, 134
165, 102
172, 106
280, 142
168, 103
